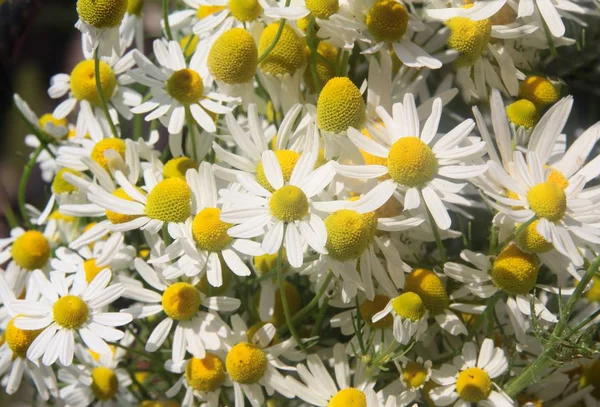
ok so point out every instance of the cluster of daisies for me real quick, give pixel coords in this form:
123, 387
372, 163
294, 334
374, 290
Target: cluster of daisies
270, 206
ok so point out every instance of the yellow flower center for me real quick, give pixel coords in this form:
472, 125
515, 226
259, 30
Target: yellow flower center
205, 11
591, 377
387, 20
245, 10
411, 162
100, 147
117, 218
414, 375
323, 64
294, 303
348, 234
92, 269
181, 301
522, 113
70, 312
56, 215
104, 383
371, 159
177, 167
83, 81
266, 262
31, 250
207, 374
531, 241
287, 161
593, 294
102, 13
547, 200
288, 54
349, 397
368, 308
430, 288
469, 38
233, 57
134, 7
340, 105
539, 90
246, 363
209, 231
289, 203
322, 8
169, 201
515, 271
48, 118
473, 385
409, 306
19, 340
185, 86
558, 178
59, 185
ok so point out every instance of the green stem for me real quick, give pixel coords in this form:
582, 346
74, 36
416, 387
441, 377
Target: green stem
513, 235
100, 93
137, 126
165, 10
320, 316
21, 195
273, 43
191, 132
435, 230
313, 44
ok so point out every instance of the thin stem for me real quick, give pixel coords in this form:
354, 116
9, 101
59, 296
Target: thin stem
313, 44
137, 126
100, 93
435, 230
273, 43
514, 235
191, 133
583, 323
165, 10
21, 195
320, 316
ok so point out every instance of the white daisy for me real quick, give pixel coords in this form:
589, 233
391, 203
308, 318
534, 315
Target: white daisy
410, 317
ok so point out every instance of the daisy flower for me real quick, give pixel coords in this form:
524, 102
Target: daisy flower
415, 168
414, 376
469, 378
410, 317
284, 216
64, 311
179, 90
132, 27
99, 23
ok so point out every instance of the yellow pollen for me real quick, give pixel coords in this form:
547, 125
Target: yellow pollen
558, 178
473, 385
100, 147
83, 81
539, 90
387, 20
287, 161
593, 294
591, 377
70, 312
205, 11
19, 340
209, 231
348, 234
288, 54
48, 118
31, 250
409, 306
368, 308
92, 269
134, 7
188, 43
169, 201
430, 288
102, 13
522, 113
411, 162
531, 241
469, 38
177, 167
294, 303
233, 57
322, 8
324, 62
181, 301
117, 218
185, 86
246, 363
245, 10
104, 383
289, 203
207, 374
59, 185
514, 271
349, 397
547, 200
340, 105
414, 375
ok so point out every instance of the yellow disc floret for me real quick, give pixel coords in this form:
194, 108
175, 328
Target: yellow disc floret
430, 288
522, 113
134, 7
246, 363
473, 385
515, 271
409, 306
411, 162
206, 374
70, 312
233, 57
287, 161
267, 262
414, 375
92, 269
47, 118
322, 8
470, 38
547, 200
100, 147
205, 11
531, 241
287, 56
539, 90
31, 250
188, 43
59, 185
83, 81
177, 167
19, 340
289, 203
245, 10
368, 308
169, 201
349, 397
102, 13
558, 178
117, 218
209, 231
369, 158
340, 106
387, 20
185, 86
181, 301
593, 294
104, 383
348, 234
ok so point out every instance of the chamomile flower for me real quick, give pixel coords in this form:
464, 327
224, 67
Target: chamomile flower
415, 168
410, 316
56, 128
132, 27
64, 311
99, 23
413, 378
469, 378
179, 90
